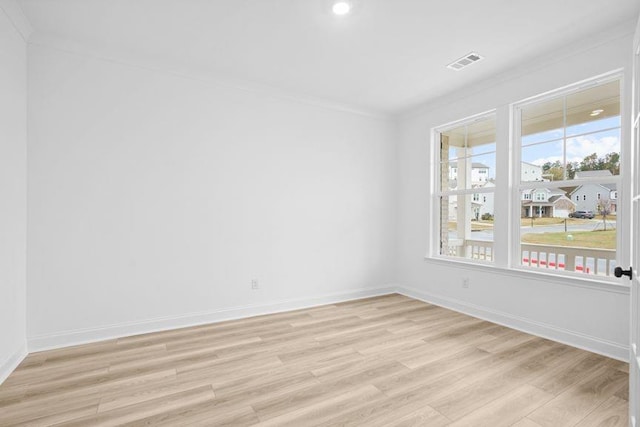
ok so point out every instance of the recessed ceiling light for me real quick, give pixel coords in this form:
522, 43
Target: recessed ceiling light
596, 112
341, 8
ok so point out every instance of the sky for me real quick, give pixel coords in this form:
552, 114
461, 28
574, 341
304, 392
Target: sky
578, 146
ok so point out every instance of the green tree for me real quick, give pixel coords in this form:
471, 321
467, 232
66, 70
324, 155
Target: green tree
592, 162
553, 170
572, 167
612, 163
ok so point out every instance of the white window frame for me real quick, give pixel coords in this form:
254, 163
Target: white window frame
622, 226
507, 257
437, 193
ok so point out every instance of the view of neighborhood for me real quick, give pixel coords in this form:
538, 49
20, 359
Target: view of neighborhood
572, 140
559, 202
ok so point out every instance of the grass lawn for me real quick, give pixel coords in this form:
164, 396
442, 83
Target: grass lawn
582, 239
475, 225
552, 221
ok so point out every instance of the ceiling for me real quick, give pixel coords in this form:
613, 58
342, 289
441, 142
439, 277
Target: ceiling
386, 56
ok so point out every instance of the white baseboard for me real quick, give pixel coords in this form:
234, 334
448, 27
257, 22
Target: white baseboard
86, 336
90, 335
10, 364
544, 330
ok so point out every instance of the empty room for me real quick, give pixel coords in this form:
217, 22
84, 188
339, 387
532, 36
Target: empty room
319, 213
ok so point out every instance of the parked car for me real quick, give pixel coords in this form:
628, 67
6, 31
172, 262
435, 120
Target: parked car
582, 214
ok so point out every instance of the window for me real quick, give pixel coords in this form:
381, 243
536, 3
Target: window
566, 150
574, 138
466, 225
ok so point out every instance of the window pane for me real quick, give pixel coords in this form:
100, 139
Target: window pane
542, 162
593, 126
449, 170
481, 135
467, 162
586, 128
483, 148
456, 152
594, 155
570, 229
542, 121
466, 229
454, 143
483, 171
589, 110
470, 172
467, 155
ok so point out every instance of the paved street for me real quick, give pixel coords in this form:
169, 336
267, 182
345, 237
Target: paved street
558, 228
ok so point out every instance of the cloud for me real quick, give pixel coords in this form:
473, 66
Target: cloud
541, 161
580, 147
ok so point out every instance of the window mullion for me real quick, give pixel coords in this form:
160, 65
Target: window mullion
501, 233
564, 137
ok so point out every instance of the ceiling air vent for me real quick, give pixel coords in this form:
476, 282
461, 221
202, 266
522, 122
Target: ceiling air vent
465, 61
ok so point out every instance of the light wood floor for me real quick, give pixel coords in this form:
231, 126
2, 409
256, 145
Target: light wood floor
385, 361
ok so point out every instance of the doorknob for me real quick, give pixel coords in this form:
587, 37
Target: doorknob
619, 272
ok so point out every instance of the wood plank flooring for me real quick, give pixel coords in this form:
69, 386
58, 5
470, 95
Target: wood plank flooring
384, 361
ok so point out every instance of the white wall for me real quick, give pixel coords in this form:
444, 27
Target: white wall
590, 316
13, 193
155, 199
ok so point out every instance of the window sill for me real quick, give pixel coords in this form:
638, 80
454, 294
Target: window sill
604, 284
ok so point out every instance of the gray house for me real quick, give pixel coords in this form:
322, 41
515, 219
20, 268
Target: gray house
590, 197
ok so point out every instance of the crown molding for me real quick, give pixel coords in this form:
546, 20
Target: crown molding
189, 72
15, 14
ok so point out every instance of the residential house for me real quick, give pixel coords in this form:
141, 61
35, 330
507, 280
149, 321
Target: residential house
546, 202
530, 172
542, 202
479, 173
594, 196
482, 203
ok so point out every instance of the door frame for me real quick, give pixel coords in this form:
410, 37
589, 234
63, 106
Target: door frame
634, 312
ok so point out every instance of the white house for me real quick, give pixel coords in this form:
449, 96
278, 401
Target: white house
530, 172
479, 173
551, 202
546, 202
482, 203
485, 200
